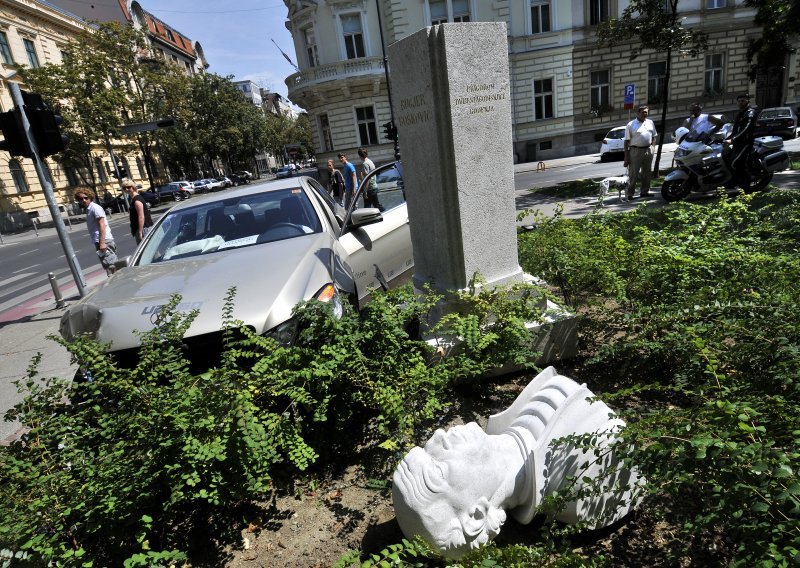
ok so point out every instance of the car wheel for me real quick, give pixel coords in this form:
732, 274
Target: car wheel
603, 157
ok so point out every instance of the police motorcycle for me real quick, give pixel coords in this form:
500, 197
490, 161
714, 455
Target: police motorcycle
704, 163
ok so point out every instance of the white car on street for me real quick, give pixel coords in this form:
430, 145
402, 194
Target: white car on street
613, 144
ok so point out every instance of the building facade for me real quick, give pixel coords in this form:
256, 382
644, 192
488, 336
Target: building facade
35, 33
567, 91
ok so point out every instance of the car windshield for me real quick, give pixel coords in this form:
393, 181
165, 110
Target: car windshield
776, 113
231, 223
616, 134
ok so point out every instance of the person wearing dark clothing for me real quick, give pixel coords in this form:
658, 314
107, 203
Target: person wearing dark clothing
742, 135
139, 212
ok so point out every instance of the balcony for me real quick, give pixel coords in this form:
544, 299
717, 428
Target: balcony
315, 76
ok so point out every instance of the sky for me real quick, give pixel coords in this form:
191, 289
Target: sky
235, 36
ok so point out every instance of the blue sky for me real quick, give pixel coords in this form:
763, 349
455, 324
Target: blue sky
235, 35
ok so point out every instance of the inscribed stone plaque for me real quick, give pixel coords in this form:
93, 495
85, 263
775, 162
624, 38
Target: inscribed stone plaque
452, 106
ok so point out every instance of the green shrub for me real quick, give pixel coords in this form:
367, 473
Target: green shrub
702, 334
138, 464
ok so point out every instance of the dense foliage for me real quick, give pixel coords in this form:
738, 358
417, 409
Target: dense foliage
138, 466
692, 313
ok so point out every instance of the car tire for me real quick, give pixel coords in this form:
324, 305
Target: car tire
603, 157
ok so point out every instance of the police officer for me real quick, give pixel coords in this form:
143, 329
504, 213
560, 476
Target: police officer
741, 138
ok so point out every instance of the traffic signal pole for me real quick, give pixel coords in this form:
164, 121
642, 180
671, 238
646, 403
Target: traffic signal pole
49, 195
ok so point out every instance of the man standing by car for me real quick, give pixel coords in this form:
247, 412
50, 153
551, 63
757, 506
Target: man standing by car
742, 135
99, 231
371, 195
350, 179
139, 212
640, 137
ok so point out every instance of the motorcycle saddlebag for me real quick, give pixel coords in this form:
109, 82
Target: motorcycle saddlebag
769, 142
776, 161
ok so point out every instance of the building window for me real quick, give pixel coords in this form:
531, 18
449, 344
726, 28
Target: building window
170, 36
5, 51
540, 16
600, 90
367, 128
547, 145
599, 11
311, 47
656, 75
101, 172
542, 99
30, 49
140, 167
449, 11
72, 176
715, 80
18, 176
353, 36
325, 133
714, 4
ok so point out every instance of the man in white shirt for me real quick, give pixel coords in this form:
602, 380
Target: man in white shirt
640, 137
700, 121
99, 231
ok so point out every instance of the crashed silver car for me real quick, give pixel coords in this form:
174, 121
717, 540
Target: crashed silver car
278, 243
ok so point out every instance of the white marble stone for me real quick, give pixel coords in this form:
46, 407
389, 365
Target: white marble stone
457, 491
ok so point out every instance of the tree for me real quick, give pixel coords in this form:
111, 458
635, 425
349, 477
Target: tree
780, 23
656, 26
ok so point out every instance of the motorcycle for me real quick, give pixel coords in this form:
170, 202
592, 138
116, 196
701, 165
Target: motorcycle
704, 163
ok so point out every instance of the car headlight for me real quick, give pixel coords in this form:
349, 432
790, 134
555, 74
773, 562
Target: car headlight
286, 333
329, 294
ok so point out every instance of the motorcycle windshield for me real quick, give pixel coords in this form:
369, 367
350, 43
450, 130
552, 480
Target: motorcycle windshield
705, 133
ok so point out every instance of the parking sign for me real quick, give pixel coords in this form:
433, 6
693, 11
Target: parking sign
630, 96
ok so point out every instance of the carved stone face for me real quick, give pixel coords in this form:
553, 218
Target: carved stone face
443, 492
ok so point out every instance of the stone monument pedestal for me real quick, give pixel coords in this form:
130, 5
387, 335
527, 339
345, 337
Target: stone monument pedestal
452, 102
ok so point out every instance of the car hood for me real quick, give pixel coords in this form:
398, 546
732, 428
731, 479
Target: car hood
270, 279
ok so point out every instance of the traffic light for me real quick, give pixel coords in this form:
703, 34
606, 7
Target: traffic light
390, 131
44, 125
122, 171
15, 143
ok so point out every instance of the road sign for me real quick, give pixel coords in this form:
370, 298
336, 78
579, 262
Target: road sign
630, 96
147, 126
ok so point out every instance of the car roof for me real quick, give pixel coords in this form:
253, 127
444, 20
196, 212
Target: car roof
242, 191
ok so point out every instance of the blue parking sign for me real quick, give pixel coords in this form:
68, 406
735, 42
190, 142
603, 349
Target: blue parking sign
630, 96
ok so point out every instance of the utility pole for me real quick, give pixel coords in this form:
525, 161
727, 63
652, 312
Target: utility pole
49, 195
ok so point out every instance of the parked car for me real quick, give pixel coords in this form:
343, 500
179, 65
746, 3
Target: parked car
279, 243
777, 121
284, 172
200, 186
613, 144
225, 181
174, 191
151, 197
242, 176
214, 184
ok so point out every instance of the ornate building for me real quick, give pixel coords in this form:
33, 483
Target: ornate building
567, 92
36, 32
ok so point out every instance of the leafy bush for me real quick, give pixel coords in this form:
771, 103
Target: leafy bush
693, 314
135, 465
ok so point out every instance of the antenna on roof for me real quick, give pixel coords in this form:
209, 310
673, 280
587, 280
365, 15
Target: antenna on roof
286, 56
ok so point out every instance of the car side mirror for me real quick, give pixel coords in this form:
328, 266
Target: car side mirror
122, 262
365, 216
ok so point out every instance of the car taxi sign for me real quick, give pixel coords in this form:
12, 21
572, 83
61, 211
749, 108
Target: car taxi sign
630, 96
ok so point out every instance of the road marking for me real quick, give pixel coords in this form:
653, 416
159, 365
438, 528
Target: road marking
7, 281
26, 268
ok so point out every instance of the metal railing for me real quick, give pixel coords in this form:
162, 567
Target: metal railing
332, 71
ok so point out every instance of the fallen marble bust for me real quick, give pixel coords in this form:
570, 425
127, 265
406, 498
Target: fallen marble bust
455, 493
